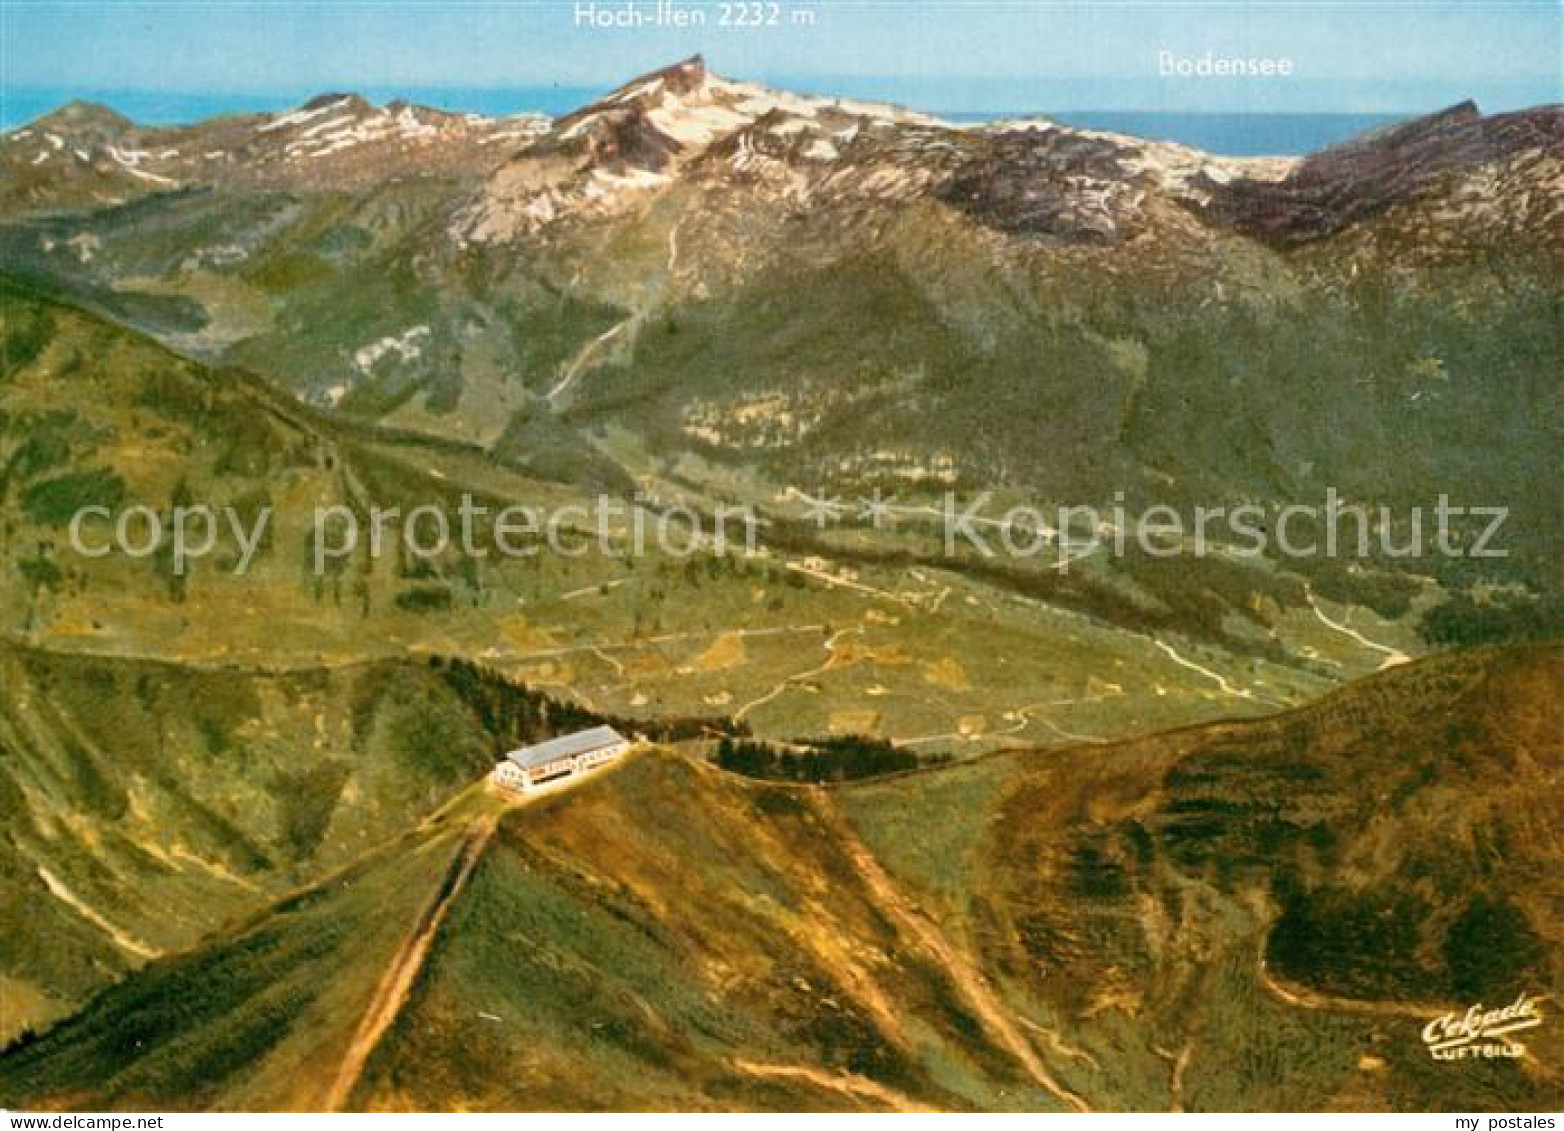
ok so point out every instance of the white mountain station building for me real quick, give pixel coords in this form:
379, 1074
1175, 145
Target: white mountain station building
545, 763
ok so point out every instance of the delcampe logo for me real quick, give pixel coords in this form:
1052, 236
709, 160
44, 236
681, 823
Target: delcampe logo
1480, 1033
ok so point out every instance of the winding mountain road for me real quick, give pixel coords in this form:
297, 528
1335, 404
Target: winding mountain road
1393, 656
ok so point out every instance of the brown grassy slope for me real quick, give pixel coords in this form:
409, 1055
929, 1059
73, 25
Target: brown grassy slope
144, 805
1244, 916
675, 937
256, 1019
1388, 851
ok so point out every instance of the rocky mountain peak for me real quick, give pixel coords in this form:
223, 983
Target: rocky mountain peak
337, 98
84, 119
685, 75
1441, 156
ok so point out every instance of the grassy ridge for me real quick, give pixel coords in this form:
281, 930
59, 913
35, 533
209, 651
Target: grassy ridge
668, 935
148, 803
1374, 862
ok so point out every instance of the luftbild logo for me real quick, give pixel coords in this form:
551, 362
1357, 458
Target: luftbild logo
1482, 1034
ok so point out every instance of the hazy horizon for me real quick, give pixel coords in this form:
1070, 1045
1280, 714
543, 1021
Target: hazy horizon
1368, 56
1235, 133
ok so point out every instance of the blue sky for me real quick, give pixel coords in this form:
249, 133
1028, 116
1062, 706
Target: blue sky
959, 55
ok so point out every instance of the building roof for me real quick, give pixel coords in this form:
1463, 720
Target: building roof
565, 746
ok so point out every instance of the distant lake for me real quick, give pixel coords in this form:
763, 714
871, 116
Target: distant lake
1234, 135
1239, 135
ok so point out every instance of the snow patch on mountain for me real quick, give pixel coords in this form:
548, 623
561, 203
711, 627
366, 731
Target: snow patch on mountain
406, 346
306, 113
